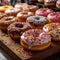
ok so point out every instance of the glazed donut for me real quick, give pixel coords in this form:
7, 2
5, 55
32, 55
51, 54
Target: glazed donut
35, 39
16, 29
37, 21
12, 12
54, 30
6, 21
49, 2
2, 15
54, 17
43, 12
22, 16
58, 4
3, 8
41, 1
31, 8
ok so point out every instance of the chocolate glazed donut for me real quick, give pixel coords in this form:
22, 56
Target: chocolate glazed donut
16, 29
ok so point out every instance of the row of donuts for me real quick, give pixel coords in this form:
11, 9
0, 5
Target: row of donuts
24, 32
29, 33
23, 10
34, 39
51, 3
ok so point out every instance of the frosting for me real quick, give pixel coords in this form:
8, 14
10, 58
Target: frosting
25, 14
13, 10
9, 10
35, 37
43, 11
53, 29
37, 20
20, 5
18, 27
55, 16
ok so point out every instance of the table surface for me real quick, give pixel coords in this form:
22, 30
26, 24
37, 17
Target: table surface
3, 55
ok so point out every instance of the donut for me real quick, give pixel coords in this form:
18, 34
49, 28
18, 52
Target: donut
54, 17
16, 29
37, 21
35, 39
43, 12
58, 4
6, 21
31, 8
41, 1
54, 30
3, 8
49, 2
2, 15
20, 5
22, 16
12, 12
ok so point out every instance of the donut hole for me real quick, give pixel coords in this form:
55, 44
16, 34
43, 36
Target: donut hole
37, 18
19, 25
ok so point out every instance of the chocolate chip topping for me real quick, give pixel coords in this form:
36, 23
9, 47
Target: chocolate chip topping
37, 20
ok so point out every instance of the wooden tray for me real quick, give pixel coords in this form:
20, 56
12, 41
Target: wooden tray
17, 52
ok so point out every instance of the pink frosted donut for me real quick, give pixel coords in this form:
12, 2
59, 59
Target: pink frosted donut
43, 12
54, 17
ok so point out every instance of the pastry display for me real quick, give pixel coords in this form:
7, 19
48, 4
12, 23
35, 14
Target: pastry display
4, 8
37, 21
12, 12
54, 17
35, 39
49, 2
43, 12
32, 25
41, 1
58, 4
16, 29
6, 21
54, 30
22, 16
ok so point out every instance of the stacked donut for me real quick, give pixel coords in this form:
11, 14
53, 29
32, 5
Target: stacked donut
30, 25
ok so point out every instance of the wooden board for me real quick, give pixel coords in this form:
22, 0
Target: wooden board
17, 52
